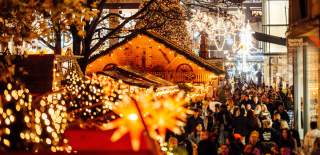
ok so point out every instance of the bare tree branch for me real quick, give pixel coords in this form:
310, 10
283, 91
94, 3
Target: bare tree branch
94, 23
103, 28
111, 33
110, 15
46, 43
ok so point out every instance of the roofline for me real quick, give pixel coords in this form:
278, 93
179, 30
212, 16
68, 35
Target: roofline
198, 60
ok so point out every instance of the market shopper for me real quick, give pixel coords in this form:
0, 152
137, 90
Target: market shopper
253, 120
206, 145
310, 137
316, 147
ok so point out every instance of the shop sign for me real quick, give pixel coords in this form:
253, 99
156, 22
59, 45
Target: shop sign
295, 42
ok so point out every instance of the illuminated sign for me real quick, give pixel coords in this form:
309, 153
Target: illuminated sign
296, 42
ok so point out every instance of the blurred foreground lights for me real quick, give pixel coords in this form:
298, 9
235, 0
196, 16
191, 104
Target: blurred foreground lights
159, 113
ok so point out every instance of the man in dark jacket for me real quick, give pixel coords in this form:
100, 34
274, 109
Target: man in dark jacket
284, 115
194, 120
207, 146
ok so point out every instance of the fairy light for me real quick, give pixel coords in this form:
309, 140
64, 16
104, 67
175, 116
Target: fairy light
30, 126
16, 104
217, 26
92, 97
55, 75
50, 122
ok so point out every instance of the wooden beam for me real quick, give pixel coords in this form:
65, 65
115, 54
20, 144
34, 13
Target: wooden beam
270, 38
123, 4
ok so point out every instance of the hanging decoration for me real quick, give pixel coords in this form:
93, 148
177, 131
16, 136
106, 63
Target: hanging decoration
218, 26
157, 113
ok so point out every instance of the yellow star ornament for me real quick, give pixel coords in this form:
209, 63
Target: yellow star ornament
169, 114
129, 122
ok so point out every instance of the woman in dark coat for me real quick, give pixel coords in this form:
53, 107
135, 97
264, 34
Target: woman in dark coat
287, 141
253, 121
240, 123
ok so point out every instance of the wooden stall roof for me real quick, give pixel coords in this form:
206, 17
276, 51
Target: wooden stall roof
188, 54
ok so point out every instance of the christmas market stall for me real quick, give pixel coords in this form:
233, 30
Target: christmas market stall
150, 53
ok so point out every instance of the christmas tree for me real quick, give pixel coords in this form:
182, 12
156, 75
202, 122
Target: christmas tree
89, 98
167, 18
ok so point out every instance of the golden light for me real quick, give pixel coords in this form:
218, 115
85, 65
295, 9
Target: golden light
129, 122
159, 114
170, 114
133, 117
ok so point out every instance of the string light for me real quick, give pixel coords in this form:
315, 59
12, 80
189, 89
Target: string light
16, 104
86, 97
51, 122
216, 26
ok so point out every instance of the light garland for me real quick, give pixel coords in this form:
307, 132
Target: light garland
86, 97
28, 124
51, 122
216, 26
16, 104
55, 75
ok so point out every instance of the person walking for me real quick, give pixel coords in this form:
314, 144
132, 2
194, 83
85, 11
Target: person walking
310, 137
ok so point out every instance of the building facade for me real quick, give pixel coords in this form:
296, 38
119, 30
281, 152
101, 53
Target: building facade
275, 23
304, 60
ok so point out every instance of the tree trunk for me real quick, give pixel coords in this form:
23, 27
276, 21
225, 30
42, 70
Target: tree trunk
83, 62
76, 41
57, 47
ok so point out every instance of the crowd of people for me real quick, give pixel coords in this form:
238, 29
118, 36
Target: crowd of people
248, 120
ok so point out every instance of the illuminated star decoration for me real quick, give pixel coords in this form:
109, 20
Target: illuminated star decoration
129, 122
168, 113
159, 114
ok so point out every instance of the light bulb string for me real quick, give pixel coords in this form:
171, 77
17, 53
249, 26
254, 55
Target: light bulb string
52, 92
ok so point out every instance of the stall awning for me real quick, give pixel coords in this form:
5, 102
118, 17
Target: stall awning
134, 77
